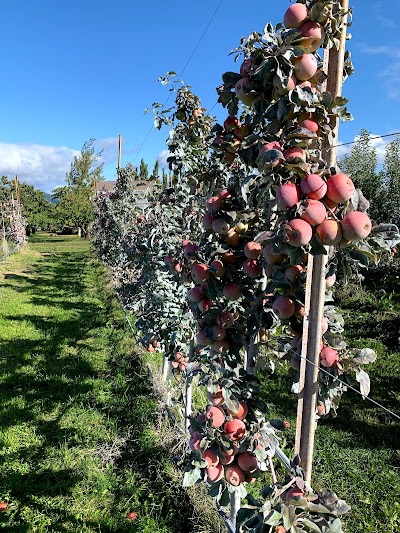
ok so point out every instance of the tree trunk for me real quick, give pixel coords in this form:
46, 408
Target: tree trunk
79, 231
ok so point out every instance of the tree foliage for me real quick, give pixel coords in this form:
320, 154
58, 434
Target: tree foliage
75, 200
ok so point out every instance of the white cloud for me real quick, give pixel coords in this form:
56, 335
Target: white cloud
162, 158
380, 50
40, 165
376, 142
390, 74
45, 167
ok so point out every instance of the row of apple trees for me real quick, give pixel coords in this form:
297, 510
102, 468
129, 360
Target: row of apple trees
219, 260
13, 232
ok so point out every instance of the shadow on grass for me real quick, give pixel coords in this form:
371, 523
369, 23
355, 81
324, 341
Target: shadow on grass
44, 380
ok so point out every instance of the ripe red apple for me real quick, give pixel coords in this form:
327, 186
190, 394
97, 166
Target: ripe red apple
194, 442
217, 415
200, 273
214, 204
252, 250
293, 272
251, 268
190, 250
305, 67
211, 457
234, 475
283, 307
356, 226
235, 429
232, 291
231, 123
220, 346
340, 188
225, 320
287, 196
313, 35
330, 232
205, 304
295, 15
328, 357
217, 268
241, 412
313, 186
245, 67
313, 211
295, 154
207, 221
215, 473
220, 226
131, 515
273, 145
282, 89
242, 95
271, 257
299, 232
247, 462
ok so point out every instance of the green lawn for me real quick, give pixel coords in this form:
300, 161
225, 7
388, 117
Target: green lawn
81, 439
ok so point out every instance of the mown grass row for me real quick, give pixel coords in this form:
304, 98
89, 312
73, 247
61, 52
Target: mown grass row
82, 437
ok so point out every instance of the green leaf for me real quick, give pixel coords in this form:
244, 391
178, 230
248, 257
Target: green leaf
191, 477
273, 519
311, 526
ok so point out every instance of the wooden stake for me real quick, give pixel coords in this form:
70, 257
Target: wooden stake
234, 506
315, 291
189, 389
164, 368
119, 150
17, 197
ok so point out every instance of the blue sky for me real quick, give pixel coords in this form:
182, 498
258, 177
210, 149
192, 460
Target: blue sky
77, 70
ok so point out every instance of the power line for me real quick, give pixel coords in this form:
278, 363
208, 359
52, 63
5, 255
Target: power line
370, 138
348, 386
180, 75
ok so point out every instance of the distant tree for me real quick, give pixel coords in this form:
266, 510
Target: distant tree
75, 200
361, 165
37, 211
144, 170
391, 178
164, 178
155, 173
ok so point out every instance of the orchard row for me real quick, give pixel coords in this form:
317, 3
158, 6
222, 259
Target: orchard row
215, 268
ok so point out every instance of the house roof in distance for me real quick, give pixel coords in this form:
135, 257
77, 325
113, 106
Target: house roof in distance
138, 185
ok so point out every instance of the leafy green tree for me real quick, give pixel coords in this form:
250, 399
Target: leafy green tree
391, 177
37, 211
75, 200
155, 172
361, 165
164, 178
144, 170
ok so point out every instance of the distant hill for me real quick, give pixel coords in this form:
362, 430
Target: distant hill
49, 198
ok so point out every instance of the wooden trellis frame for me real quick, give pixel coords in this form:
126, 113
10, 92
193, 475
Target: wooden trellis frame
315, 287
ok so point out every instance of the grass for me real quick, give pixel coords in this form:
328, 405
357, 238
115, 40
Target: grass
82, 435
82, 440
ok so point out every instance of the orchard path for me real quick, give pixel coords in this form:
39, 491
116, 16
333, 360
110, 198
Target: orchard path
77, 446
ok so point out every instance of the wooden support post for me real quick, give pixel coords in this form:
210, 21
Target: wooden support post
234, 506
164, 370
119, 151
169, 383
189, 388
315, 291
17, 196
